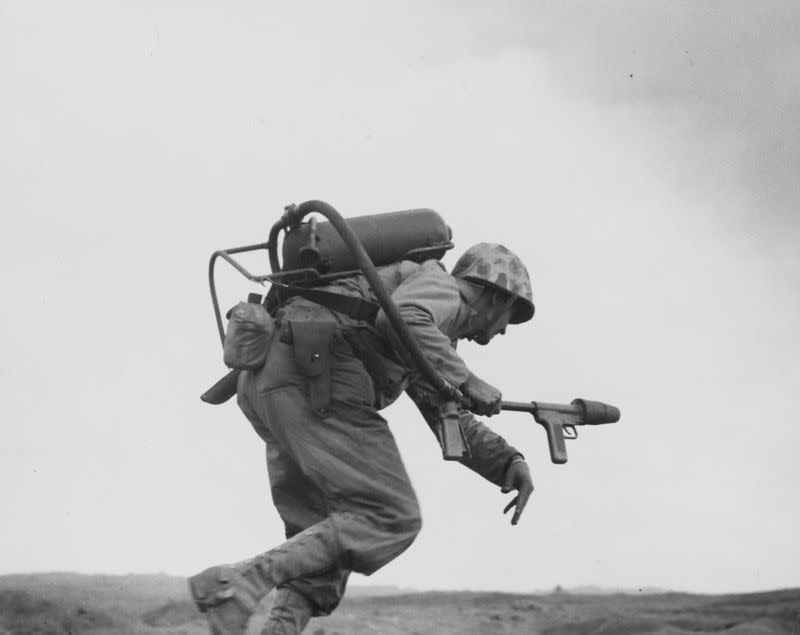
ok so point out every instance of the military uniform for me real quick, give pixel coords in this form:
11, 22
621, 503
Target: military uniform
335, 473
343, 464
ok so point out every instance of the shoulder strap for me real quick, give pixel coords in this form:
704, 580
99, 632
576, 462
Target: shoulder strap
353, 307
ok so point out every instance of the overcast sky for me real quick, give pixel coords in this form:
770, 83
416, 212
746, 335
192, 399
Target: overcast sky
642, 158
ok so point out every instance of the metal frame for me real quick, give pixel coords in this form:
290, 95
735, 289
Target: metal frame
293, 215
225, 254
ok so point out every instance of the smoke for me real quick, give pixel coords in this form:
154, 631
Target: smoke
722, 74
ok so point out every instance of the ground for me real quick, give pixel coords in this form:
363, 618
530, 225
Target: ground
68, 603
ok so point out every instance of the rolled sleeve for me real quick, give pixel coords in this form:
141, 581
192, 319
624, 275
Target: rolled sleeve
490, 454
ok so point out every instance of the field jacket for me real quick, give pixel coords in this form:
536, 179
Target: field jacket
430, 301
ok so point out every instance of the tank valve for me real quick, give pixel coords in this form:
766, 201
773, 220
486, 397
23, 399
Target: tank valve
309, 253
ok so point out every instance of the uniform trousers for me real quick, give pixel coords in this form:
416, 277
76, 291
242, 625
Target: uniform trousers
341, 464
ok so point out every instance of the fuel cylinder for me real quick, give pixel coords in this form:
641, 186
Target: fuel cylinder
414, 234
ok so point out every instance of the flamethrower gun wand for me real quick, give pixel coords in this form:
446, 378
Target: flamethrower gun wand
559, 418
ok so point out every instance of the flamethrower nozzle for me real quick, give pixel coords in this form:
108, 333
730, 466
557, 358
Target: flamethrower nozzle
597, 412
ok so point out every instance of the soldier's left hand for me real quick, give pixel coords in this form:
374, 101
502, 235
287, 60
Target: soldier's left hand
518, 477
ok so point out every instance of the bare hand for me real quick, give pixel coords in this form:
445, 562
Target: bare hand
484, 399
518, 477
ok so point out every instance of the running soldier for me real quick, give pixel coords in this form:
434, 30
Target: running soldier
336, 477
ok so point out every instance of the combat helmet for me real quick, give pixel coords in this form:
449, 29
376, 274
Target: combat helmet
495, 265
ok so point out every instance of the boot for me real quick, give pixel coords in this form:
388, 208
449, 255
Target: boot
227, 597
228, 594
290, 613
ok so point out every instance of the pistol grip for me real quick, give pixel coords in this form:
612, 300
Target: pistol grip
555, 439
451, 437
453, 446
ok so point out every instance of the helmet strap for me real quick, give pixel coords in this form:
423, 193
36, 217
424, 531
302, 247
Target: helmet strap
470, 291
482, 297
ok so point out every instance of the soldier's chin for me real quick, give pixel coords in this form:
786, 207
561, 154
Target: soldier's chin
481, 338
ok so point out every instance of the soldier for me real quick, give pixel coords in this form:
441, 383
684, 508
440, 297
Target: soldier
336, 476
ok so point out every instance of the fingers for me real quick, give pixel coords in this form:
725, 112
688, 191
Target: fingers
524, 487
485, 410
508, 482
488, 408
522, 499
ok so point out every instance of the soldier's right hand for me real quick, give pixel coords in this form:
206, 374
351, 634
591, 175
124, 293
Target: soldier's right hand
483, 399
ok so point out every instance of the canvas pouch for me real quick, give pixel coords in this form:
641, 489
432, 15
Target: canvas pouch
247, 337
312, 352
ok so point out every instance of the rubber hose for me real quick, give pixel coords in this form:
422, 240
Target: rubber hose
295, 215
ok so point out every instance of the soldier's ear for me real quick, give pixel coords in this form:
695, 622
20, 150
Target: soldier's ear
489, 295
502, 297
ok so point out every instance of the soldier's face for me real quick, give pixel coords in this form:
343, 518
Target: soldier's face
493, 320
495, 327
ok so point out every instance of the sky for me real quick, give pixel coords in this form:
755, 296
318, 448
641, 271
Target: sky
640, 157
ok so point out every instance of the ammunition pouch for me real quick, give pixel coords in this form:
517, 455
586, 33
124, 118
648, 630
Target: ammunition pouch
312, 341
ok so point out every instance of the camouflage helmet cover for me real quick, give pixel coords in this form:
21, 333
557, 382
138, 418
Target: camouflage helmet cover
495, 265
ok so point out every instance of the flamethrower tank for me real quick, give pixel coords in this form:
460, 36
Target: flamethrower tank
415, 234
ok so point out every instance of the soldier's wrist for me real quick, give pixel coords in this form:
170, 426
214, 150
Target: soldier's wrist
514, 458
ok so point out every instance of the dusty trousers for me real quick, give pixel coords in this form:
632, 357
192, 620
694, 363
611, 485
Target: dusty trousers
339, 463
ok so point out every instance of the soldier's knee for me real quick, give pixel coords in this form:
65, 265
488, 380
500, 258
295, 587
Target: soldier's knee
397, 537
412, 532
409, 518
412, 524
406, 522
